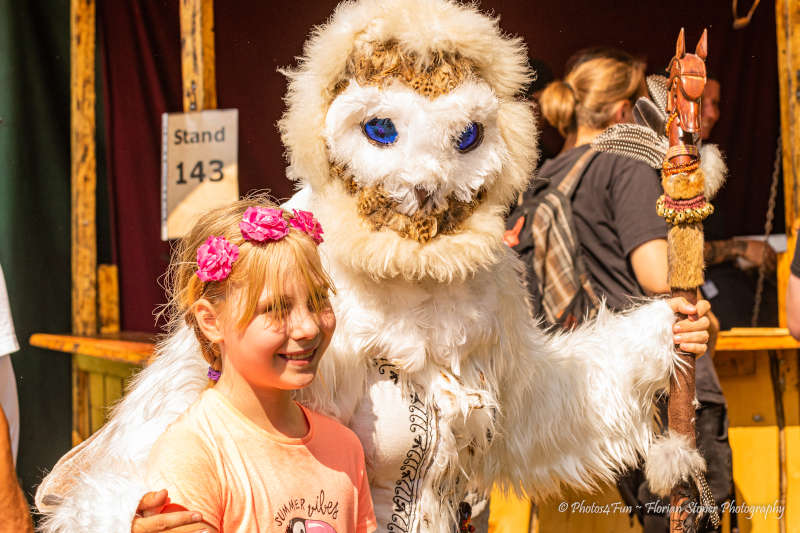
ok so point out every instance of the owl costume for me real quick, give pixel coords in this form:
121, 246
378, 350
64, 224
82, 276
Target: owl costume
407, 141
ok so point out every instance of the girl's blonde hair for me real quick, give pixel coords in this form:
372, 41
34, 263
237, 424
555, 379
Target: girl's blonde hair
258, 266
589, 92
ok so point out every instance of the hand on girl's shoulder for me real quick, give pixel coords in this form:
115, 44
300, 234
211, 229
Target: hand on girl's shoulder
153, 516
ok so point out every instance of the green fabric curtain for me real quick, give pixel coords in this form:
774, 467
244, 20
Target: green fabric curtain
34, 218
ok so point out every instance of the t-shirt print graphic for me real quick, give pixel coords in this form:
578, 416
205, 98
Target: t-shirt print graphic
311, 512
303, 525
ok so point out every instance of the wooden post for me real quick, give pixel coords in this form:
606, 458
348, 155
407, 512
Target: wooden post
84, 171
108, 298
197, 55
787, 18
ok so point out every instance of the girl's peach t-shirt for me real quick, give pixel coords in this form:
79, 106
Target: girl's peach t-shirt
242, 479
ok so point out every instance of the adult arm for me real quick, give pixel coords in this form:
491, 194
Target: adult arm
793, 306
649, 262
753, 251
793, 296
642, 233
16, 518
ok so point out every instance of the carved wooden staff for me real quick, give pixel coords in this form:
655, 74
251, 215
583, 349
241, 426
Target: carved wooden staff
684, 206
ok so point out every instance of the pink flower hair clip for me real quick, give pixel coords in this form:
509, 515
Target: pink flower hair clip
264, 224
215, 259
305, 221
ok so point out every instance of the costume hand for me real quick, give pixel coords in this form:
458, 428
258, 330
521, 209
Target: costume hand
691, 333
760, 251
148, 518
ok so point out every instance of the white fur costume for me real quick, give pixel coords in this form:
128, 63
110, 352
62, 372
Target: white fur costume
435, 362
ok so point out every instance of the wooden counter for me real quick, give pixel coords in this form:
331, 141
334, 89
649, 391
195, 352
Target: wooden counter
124, 347
101, 365
747, 339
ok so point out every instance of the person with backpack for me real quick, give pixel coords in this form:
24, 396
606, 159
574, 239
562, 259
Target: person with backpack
603, 236
622, 239
598, 236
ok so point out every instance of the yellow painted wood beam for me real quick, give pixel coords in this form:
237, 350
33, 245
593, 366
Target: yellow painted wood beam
509, 514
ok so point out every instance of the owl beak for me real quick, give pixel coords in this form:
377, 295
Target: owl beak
423, 198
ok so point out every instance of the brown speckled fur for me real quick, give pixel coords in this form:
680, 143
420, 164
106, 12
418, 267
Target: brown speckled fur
685, 256
685, 241
683, 186
379, 210
380, 63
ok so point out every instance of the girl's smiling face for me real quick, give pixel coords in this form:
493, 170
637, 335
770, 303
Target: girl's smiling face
280, 348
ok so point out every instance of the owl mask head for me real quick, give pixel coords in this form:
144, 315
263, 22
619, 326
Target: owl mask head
404, 120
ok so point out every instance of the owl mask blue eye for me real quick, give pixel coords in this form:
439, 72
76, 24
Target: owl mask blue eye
470, 138
380, 131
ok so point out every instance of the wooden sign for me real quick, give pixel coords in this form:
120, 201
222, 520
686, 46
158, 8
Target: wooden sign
199, 167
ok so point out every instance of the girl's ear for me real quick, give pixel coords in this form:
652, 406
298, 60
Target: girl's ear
208, 320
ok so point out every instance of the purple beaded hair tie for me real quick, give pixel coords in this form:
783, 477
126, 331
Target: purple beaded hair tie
213, 375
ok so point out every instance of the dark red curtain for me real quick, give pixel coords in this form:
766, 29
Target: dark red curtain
142, 78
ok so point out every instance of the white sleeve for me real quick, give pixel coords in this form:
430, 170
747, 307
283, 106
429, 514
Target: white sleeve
8, 339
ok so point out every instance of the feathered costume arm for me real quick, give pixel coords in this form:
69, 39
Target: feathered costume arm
577, 407
97, 486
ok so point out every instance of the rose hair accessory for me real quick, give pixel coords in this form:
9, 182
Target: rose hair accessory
213, 375
215, 258
305, 222
263, 224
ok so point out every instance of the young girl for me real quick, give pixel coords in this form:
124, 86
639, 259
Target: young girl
249, 280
